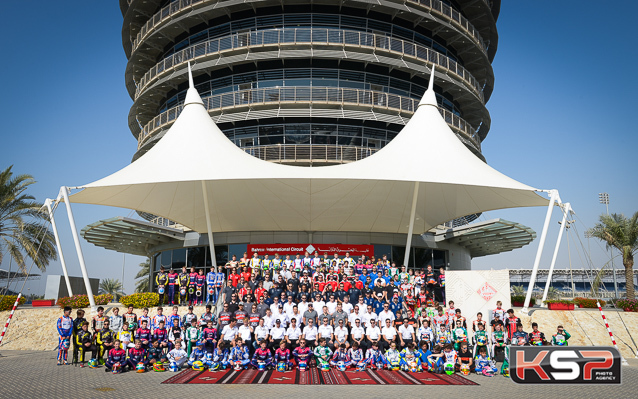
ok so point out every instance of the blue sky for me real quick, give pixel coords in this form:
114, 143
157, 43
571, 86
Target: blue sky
562, 114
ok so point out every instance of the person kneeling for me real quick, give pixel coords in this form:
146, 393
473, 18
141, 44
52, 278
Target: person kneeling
115, 355
197, 355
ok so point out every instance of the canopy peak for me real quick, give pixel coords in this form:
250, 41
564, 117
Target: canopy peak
429, 98
192, 96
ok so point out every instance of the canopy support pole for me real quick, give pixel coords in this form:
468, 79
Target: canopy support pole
408, 243
209, 228
553, 197
76, 239
567, 208
47, 203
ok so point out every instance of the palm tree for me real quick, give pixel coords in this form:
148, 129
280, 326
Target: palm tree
24, 233
145, 268
111, 286
621, 233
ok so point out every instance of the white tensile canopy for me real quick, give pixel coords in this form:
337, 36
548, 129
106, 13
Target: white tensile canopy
424, 171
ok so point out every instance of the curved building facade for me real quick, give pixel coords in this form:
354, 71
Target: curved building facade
310, 83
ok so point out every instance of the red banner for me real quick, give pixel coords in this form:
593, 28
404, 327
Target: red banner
294, 249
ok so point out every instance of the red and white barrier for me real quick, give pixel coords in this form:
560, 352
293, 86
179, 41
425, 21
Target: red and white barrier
611, 335
15, 305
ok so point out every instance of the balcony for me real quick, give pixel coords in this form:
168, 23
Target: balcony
373, 45
325, 102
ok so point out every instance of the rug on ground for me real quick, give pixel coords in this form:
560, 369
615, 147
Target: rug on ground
316, 377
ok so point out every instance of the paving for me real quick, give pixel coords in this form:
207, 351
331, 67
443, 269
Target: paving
34, 374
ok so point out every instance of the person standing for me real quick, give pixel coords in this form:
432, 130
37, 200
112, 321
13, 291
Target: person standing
161, 280
65, 332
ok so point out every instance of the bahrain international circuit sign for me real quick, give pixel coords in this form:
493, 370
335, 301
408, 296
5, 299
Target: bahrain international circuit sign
301, 249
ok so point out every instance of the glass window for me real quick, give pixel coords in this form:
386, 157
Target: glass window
157, 261
398, 254
179, 258
167, 257
196, 257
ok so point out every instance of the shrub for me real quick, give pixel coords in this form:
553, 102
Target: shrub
521, 299
82, 301
563, 301
140, 300
7, 301
588, 302
628, 304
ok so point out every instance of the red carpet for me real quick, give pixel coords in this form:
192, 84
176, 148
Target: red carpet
316, 377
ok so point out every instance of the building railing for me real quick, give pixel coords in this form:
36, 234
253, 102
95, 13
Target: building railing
340, 96
309, 153
437, 7
310, 36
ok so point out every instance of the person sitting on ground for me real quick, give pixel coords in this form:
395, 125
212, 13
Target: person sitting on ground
136, 355
436, 361
465, 356
219, 359
239, 355
322, 353
409, 358
480, 338
302, 354
356, 355
393, 357
115, 355
282, 355
197, 355
423, 354
340, 357
484, 364
374, 357
155, 354
262, 358
177, 356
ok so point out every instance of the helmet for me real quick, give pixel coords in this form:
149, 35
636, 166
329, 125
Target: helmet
117, 368
158, 366
262, 366
140, 368
93, 363
281, 367
161, 290
414, 367
514, 341
488, 372
442, 339
182, 291
538, 343
303, 366
481, 340
198, 292
191, 290
325, 367
173, 367
214, 366
505, 372
560, 341
341, 366
65, 344
448, 368
210, 290
131, 326
361, 366
198, 365
465, 369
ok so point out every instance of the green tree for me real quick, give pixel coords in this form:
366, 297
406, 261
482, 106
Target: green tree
621, 233
111, 286
145, 269
24, 233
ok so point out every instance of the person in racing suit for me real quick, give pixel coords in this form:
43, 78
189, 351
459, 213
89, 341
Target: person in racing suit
183, 281
322, 353
302, 354
218, 359
65, 334
374, 357
356, 355
282, 355
198, 354
340, 355
536, 337
104, 339
136, 355
115, 355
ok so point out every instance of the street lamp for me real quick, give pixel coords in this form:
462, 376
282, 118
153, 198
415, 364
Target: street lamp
603, 198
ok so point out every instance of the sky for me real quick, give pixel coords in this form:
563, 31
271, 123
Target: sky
562, 116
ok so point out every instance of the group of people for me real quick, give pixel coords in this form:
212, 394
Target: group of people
274, 317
